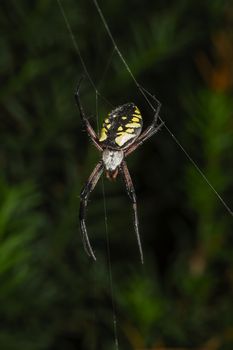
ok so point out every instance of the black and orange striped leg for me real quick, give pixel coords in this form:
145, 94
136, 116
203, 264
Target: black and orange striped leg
87, 189
132, 195
84, 119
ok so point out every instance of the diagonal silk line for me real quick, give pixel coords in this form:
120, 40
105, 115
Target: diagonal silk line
143, 92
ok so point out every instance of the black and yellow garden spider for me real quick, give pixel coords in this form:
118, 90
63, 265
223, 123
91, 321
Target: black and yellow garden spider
119, 137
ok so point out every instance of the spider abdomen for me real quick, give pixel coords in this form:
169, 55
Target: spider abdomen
122, 126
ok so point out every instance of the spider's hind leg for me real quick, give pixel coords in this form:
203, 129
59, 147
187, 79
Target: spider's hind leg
132, 195
87, 189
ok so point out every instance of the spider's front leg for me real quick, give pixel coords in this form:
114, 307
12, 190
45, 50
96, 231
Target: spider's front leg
89, 186
84, 119
132, 195
151, 130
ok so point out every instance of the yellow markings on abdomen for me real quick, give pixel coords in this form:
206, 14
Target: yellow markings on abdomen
103, 135
123, 129
129, 131
122, 139
133, 125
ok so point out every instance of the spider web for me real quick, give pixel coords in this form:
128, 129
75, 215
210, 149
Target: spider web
148, 97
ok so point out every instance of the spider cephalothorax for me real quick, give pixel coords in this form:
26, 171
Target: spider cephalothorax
112, 159
120, 135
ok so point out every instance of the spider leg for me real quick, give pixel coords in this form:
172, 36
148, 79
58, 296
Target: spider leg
132, 195
151, 130
84, 119
87, 189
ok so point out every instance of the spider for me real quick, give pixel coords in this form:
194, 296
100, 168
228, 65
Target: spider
119, 137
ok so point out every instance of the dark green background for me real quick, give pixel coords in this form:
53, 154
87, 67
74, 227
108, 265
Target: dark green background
52, 296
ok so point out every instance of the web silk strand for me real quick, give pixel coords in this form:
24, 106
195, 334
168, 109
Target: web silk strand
108, 246
143, 92
97, 93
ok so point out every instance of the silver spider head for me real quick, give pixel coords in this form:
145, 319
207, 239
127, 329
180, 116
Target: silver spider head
112, 159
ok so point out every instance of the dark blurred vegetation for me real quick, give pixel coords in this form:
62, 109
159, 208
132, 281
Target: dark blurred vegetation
51, 295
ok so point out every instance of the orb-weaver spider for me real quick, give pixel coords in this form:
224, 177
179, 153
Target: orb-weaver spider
119, 137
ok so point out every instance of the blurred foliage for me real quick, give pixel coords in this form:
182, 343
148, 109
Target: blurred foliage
51, 295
